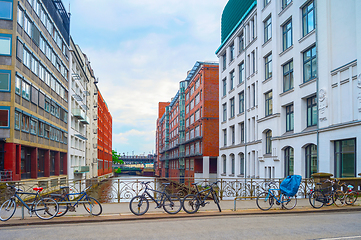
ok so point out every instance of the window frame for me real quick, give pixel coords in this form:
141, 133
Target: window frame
241, 102
268, 66
308, 160
338, 165
290, 118
7, 109
287, 38
289, 158
232, 107
9, 38
285, 3
267, 29
224, 88
288, 79
310, 60
241, 72
11, 10
8, 73
268, 142
268, 103
310, 111
305, 18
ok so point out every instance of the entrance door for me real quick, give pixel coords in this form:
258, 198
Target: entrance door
41, 162
2, 152
25, 163
52, 163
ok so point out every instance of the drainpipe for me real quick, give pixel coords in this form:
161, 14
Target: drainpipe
245, 113
317, 90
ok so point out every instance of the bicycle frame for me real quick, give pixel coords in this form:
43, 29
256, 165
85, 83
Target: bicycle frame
270, 191
151, 197
210, 191
24, 203
66, 197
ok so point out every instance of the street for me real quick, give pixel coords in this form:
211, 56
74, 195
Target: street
336, 225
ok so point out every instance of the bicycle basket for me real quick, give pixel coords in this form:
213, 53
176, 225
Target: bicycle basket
289, 186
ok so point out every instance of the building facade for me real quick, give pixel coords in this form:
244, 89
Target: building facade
104, 146
34, 73
186, 143
282, 74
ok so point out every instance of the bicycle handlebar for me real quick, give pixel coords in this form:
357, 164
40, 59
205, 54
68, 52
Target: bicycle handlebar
13, 187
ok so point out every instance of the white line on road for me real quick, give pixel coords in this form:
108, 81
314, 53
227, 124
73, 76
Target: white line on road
352, 237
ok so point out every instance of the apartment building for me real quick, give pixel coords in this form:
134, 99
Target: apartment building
104, 145
186, 138
34, 74
289, 99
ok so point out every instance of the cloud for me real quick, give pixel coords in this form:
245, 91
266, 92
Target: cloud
140, 50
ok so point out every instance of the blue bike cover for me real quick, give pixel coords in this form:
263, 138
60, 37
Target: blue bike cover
289, 186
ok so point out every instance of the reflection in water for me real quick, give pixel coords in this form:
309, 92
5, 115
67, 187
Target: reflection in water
121, 189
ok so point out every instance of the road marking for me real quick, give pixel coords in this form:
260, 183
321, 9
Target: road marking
352, 237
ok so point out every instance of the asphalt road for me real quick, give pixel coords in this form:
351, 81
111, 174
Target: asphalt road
337, 225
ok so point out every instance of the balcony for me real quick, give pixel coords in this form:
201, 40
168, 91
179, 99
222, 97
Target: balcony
85, 120
78, 113
81, 169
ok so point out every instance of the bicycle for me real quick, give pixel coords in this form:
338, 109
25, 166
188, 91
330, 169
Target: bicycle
192, 202
139, 204
90, 204
324, 196
266, 199
44, 208
350, 195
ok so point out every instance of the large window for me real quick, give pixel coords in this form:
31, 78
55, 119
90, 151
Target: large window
289, 161
26, 90
241, 42
289, 118
345, 158
241, 164
311, 160
5, 44
287, 76
241, 102
4, 117
233, 164
268, 142
6, 9
232, 107
241, 72
224, 137
224, 58
242, 132
231, 80
224, 106
224, 164
309, 64
311, 111
308, 18
287, 35
224, 89
268, 66
267, 29
268, 103
231, 49
5, 80
233, 135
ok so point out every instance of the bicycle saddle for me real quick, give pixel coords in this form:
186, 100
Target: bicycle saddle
39, 189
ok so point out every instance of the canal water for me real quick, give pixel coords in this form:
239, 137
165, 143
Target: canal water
121, 189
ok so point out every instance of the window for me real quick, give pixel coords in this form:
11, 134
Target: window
241, 102
289, 161
224, 58
311, 111
289, 118
5, 44
345, 158
241, 164
232, 107
266, 2
268, 66
253, 62
285, 3
268, 103
224, 137
311, 160
17, 84
231, 80
308, 18
41, 129
309, 64
224, 164
287, 35
288, 76
26, 90
5, 80
233, 163
267, 29
231, 49
224, 112
33, 126
241, 72
242, 132
233, 135
17, 120
4, 117
6, 9
241, 42
224, 82
268, 142
28, 25
25, 123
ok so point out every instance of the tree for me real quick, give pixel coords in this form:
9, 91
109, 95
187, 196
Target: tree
116, 158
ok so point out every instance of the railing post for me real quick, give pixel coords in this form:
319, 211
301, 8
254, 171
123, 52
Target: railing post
118, 190
221, 190
155, 187
251, 189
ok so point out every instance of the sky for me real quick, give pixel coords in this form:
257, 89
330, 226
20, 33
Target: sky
140, 50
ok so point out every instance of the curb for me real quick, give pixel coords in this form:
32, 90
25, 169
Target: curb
150, 216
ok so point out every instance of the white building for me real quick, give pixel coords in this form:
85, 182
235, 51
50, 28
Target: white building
284, 68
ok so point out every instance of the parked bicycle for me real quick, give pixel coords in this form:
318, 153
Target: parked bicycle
350, 194
265, 200
171, 203
44, 208
192, 202
90, 204
327, 196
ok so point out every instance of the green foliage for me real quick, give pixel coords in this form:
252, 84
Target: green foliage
117, 170
116, 157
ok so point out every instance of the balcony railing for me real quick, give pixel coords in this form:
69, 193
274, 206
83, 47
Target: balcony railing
78, 113
81, 169
85, 120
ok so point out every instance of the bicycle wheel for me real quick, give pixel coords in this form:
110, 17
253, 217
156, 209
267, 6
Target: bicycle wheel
139, 205
289, 202
94, 206
46, 208
63, 208
172, 204
316, 199
330, 199
216, 201
7, 210
339, 198
190, 203
265, 201
351, 198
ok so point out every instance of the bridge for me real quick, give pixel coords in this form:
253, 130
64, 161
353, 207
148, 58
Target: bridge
138, 159
135, 169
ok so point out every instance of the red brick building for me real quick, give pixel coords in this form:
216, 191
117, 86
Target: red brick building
105, 122
187, 127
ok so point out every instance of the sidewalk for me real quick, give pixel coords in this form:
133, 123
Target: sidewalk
121, 212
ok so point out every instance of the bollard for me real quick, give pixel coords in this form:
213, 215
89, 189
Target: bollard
22, 213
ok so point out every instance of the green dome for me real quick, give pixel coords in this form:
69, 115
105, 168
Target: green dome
233, 12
